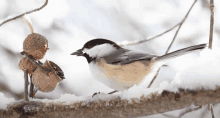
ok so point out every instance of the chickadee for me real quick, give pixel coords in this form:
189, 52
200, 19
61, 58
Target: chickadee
120, 68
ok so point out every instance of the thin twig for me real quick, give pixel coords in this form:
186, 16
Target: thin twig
211, 23
168, 116
189, 110
180, 26
29, 24
205, 111
26, 85
35, 63
25, 13
211, 106
31, 87
113, 92
145, 40
174, 39
154, 78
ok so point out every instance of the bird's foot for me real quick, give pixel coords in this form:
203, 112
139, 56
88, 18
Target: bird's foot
95, 94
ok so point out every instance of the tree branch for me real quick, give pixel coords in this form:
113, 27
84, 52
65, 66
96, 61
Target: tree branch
155, 103
24, 13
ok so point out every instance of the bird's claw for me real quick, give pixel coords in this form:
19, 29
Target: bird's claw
95, 94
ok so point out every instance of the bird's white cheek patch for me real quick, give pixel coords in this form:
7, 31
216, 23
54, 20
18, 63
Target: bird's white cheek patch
100, 50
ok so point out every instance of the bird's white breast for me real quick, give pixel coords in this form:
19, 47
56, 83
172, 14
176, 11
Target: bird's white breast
122, 77
98, 74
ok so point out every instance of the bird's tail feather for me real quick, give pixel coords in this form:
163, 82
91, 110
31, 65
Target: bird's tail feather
181, 52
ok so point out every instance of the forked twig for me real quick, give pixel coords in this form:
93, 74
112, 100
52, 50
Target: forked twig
180, 26
145, 40
25, 13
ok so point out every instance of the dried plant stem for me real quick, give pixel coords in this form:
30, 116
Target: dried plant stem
38, 65
189, 110
211, 23
211, 40
31, 88
181, 23
113, 92
25, 13
35, 63
155, 76
26, 85
212, 111
29, 25
145, 40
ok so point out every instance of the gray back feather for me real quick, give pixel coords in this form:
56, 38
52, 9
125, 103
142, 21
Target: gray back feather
124, 56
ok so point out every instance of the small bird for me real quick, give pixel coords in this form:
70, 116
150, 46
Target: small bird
120, 68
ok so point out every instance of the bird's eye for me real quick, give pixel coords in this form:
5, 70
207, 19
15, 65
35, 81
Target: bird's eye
45, 46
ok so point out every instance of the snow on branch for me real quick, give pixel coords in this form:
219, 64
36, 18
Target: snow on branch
117, 107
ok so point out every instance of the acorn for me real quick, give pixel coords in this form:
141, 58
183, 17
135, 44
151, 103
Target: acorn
25, 64
44, 82
35, 45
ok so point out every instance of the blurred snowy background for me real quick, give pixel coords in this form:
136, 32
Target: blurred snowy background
68, 24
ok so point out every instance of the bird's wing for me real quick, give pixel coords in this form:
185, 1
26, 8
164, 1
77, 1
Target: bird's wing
126, 56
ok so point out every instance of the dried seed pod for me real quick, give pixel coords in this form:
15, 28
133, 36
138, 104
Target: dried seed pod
25, 64
35, 45
47, 83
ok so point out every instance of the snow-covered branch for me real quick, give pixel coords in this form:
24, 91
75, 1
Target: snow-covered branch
117, 107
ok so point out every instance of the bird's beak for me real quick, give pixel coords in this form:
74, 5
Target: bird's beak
78, 53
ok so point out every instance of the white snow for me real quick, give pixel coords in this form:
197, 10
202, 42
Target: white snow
203, 73
69, 24
5, 101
